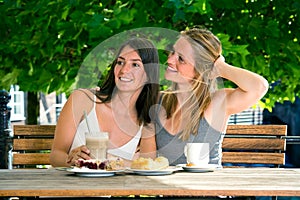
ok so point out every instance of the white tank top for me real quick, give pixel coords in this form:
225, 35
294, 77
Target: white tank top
126, 151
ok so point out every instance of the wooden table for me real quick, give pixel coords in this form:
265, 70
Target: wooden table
225, 182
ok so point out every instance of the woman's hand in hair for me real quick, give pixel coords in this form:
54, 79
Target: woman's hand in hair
217, 67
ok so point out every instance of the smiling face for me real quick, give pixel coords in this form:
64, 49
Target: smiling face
129, 71
181, 62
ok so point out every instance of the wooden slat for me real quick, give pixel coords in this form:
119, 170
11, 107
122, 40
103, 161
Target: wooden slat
47, 130
254, 143
253, 158
31, 159
276, 130
32, 144
29, 143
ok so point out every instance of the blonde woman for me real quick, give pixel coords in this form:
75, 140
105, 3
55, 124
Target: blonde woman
195, 110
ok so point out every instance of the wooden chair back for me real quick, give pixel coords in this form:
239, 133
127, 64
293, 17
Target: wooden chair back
254, 144
243, 144
32, 145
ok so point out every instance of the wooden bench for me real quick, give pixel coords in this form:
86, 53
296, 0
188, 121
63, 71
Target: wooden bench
32, 145
254, 144
243, 144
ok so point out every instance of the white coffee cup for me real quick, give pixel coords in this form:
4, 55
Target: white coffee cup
97, 143
197, 153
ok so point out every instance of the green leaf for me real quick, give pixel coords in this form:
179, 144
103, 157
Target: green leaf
9, 79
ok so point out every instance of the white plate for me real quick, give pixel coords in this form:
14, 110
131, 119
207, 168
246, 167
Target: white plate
199, 168
62, 168
144, 172
85, 172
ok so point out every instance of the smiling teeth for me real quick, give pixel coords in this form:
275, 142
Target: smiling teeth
125, 79
172, 69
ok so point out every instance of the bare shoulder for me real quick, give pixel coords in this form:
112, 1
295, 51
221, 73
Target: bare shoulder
82, 99
82, 93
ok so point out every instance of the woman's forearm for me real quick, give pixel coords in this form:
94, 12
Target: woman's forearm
59, 159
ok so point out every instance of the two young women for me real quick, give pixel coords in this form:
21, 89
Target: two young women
193, 110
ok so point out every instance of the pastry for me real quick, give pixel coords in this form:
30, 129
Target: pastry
142, 163
161, 162
150, 164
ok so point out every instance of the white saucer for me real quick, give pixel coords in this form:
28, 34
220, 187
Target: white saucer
199, 168
144, 172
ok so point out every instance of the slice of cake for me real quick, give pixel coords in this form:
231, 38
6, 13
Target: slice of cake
110, 165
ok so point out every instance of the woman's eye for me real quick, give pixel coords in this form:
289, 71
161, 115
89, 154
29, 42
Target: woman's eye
180, 59
120, 62
135, 65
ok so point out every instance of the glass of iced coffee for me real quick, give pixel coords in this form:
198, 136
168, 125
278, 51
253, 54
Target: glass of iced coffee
97, 143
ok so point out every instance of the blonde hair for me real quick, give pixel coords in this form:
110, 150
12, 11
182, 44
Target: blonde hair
206, 49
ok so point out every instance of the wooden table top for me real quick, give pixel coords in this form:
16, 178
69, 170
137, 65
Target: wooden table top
225, 182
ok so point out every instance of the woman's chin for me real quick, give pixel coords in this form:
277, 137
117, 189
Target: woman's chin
174, 78
171, 76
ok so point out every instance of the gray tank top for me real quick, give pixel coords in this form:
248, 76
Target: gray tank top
172, 147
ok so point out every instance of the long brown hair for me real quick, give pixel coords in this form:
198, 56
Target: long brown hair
149, 94
206, 49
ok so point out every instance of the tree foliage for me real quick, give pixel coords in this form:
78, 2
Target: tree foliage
43, 43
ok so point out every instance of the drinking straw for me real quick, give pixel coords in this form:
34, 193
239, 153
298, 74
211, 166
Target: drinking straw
87, 123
